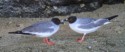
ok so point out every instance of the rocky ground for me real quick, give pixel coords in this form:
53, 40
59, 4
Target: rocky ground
109, 38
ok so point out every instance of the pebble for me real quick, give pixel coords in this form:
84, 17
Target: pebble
89, 47
8, 23
82, 5
19, 25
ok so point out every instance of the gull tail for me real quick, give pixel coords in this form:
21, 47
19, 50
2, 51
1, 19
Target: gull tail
19, 32
112, 17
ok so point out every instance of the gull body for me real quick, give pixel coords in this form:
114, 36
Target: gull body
42, 29
87, 25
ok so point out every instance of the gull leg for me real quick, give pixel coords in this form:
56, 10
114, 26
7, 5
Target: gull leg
47, 41
81, 39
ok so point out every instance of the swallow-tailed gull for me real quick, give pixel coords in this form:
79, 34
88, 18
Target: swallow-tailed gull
42, 29
87, 25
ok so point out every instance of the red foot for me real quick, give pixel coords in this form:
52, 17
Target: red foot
50, 43
47, 41
80, 40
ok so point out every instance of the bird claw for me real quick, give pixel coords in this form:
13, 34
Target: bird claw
50, 43
79, 40
47, 41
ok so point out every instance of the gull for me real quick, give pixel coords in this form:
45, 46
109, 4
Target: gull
87, 25
42, 29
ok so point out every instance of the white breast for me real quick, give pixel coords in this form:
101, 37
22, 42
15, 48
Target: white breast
82, 31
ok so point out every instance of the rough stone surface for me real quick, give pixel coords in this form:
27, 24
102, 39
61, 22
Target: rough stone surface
47, 8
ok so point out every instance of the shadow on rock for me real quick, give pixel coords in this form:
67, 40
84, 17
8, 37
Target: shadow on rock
47, 8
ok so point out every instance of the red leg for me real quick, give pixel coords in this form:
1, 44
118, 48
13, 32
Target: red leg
81, 39
47, 41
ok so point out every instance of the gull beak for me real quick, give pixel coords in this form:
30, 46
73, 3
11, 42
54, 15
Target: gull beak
62, 21
65, 20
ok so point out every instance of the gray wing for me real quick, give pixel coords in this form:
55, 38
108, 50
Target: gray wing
93, 24
85, 20
39, 27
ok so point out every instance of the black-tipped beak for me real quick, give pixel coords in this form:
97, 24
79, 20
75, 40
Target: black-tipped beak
63, 21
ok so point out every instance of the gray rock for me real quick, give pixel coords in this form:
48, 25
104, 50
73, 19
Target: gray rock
46, 8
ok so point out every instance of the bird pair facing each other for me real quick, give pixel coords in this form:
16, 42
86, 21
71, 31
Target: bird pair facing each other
79, 25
